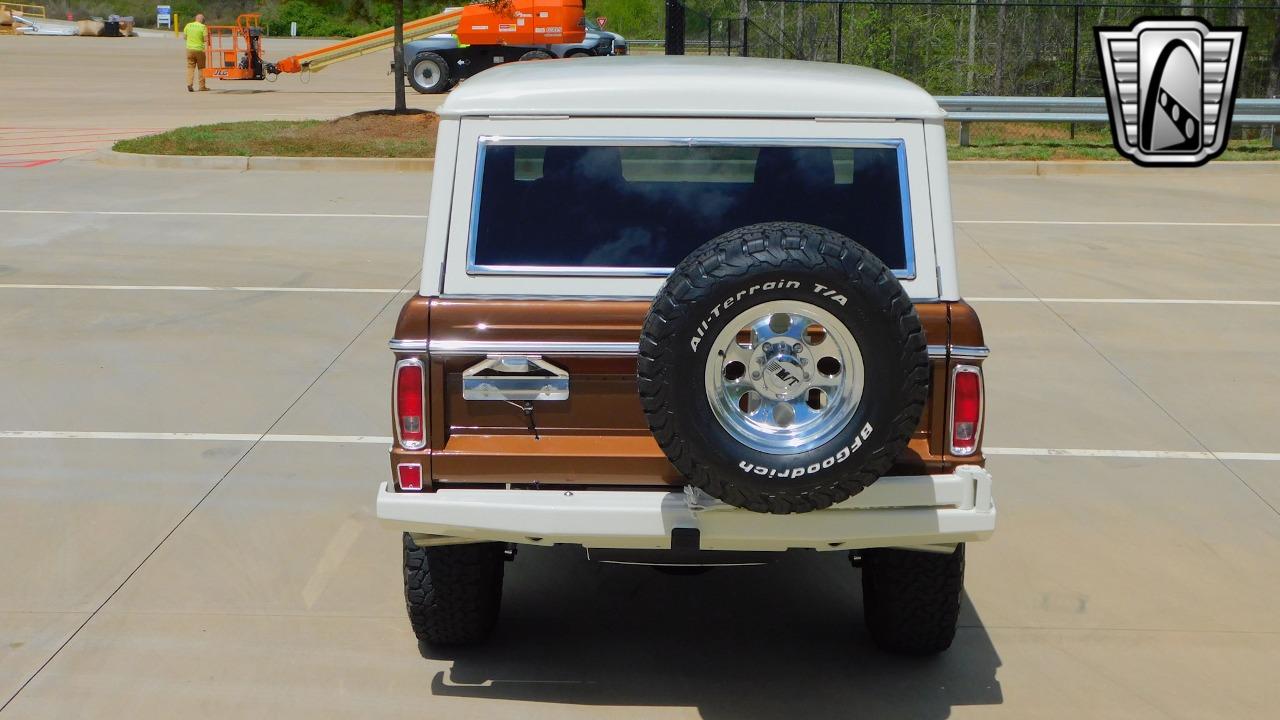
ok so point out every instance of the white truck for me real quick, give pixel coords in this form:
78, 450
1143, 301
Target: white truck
689, 312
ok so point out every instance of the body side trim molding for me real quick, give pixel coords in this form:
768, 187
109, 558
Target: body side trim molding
964, 352
540, 347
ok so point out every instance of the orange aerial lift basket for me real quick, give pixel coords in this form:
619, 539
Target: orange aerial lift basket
234, 52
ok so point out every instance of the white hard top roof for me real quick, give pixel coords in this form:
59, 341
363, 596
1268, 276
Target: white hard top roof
689, 86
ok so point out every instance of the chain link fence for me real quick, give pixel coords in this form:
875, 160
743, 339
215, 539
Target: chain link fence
955, 47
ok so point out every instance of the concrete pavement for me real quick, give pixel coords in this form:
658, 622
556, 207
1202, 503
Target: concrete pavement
56, 107
223, 576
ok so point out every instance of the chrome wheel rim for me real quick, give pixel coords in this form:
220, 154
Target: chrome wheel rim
784, 377
426, 73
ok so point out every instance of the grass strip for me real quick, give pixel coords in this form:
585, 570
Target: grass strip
361, 135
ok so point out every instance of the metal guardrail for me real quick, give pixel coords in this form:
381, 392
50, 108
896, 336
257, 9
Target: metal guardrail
967, 109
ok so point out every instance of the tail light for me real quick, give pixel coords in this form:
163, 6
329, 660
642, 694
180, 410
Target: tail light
966, 409
410, 412
409, 476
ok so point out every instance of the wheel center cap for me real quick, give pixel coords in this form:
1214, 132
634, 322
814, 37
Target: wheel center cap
783, 378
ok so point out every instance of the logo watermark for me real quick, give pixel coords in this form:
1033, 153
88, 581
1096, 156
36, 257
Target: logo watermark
1171, 86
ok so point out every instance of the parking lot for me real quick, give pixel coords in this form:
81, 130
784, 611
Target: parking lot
195, 418
53, 110
194, 376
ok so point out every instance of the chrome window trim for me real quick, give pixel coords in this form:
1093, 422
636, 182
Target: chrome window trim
484, 141
951, 410
395, 403
559, 270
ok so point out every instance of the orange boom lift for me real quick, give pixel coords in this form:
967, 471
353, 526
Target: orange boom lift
234, 52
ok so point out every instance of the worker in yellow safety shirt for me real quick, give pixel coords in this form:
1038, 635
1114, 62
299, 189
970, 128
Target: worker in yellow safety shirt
196, 34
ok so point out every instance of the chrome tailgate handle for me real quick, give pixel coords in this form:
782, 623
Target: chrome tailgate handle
515, 377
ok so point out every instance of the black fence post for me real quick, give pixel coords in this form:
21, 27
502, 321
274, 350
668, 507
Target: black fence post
708, 34
674, 40
746, 25
1075, 57
840, 33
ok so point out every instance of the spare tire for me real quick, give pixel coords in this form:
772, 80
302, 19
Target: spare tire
782, 368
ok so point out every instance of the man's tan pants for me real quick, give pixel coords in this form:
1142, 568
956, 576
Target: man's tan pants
195, 61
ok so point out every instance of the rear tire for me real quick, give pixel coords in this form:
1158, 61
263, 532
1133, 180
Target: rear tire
536, 55
453, 592
911, 599
429, 74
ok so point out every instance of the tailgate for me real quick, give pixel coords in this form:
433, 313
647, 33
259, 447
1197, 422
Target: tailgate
597, 436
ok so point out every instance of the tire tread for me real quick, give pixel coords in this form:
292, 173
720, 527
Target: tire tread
453, 593
911, 599
732, 256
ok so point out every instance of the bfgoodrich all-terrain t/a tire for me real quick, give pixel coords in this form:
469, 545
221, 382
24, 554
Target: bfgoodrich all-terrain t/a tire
453, 592
774, 315
911, 599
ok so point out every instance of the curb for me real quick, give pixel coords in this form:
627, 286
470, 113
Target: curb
981, 168
243, 163
961, 168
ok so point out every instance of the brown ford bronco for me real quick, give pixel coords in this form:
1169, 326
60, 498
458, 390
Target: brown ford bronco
676, 321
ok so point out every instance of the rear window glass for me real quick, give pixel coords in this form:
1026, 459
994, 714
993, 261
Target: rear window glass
632, 209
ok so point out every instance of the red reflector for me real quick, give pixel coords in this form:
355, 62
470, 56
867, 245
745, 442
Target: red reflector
410, 422
966, 409
410, 476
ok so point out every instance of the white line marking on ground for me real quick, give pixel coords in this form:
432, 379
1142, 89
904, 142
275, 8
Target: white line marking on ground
1152, 454
1263, 457
203, 213
1151, 223
212, 437
386, 440
75, 435
363, 439
199, 288
1127, 301
1089, 452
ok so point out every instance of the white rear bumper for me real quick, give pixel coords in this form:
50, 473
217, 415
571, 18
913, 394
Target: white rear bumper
895, 511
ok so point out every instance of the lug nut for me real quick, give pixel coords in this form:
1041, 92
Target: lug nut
796, 348
755, 375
